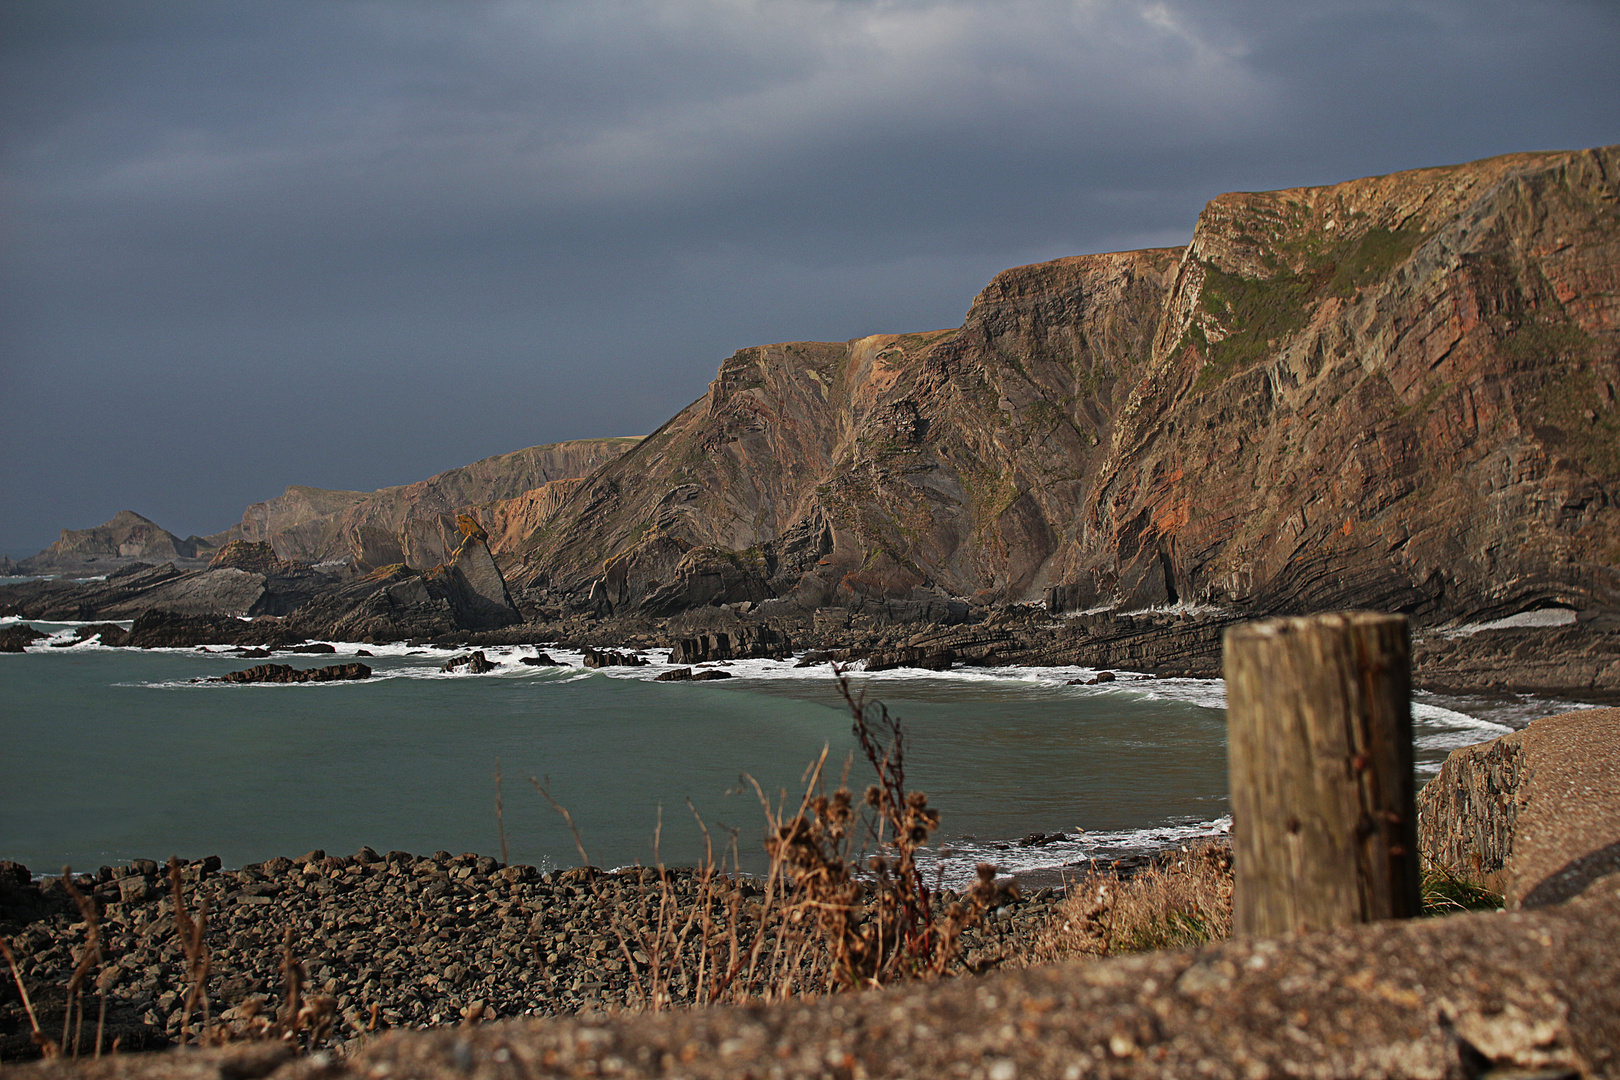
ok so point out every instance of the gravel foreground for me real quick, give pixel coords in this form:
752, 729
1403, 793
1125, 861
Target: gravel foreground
393, 940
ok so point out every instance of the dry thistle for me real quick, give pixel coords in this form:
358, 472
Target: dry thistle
873, 909
292, 989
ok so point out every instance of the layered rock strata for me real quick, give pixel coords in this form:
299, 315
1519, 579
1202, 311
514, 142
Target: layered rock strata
1395, 393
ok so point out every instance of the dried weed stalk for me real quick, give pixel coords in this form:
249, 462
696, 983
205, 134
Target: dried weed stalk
706, 946
843, 903
852, 873
190, 932
47, 1048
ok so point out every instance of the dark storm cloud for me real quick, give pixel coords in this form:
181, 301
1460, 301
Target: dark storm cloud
352, 244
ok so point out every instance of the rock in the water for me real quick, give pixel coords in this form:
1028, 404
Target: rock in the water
680, 674
911, 657
475, 663
739, 643
600, 658
17, 638
109, 634
1100, 677
285, 673
541, 660
711, 674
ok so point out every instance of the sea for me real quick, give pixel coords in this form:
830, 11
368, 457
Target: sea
113, 754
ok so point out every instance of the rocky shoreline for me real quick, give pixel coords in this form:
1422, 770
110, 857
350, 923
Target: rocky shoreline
1575, 658
392, 940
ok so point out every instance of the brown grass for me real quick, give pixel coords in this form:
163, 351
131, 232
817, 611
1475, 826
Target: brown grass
1176, 903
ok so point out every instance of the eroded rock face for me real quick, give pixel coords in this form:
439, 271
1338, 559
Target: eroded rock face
830, 471
1394, 393
416, 524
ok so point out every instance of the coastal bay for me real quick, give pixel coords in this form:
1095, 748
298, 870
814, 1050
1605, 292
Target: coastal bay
120, 755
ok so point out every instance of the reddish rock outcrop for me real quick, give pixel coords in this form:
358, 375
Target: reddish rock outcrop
1394, 393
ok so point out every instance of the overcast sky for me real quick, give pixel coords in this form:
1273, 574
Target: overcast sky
353, 244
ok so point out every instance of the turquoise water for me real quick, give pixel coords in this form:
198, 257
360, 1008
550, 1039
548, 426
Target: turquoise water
113, 754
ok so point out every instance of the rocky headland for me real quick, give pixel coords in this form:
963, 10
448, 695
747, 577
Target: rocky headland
1394, 393
125, 539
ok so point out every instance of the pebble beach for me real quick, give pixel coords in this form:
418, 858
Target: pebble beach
395, 940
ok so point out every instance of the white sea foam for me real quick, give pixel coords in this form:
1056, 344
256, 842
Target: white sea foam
1443, 730
956, 861
47, 625
1439, 729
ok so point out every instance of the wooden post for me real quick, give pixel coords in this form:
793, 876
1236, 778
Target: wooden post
1319, 751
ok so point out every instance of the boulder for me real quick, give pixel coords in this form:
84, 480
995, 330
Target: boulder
110, 634
17, 638
284, 673
474, 663
739, 643
600, 658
